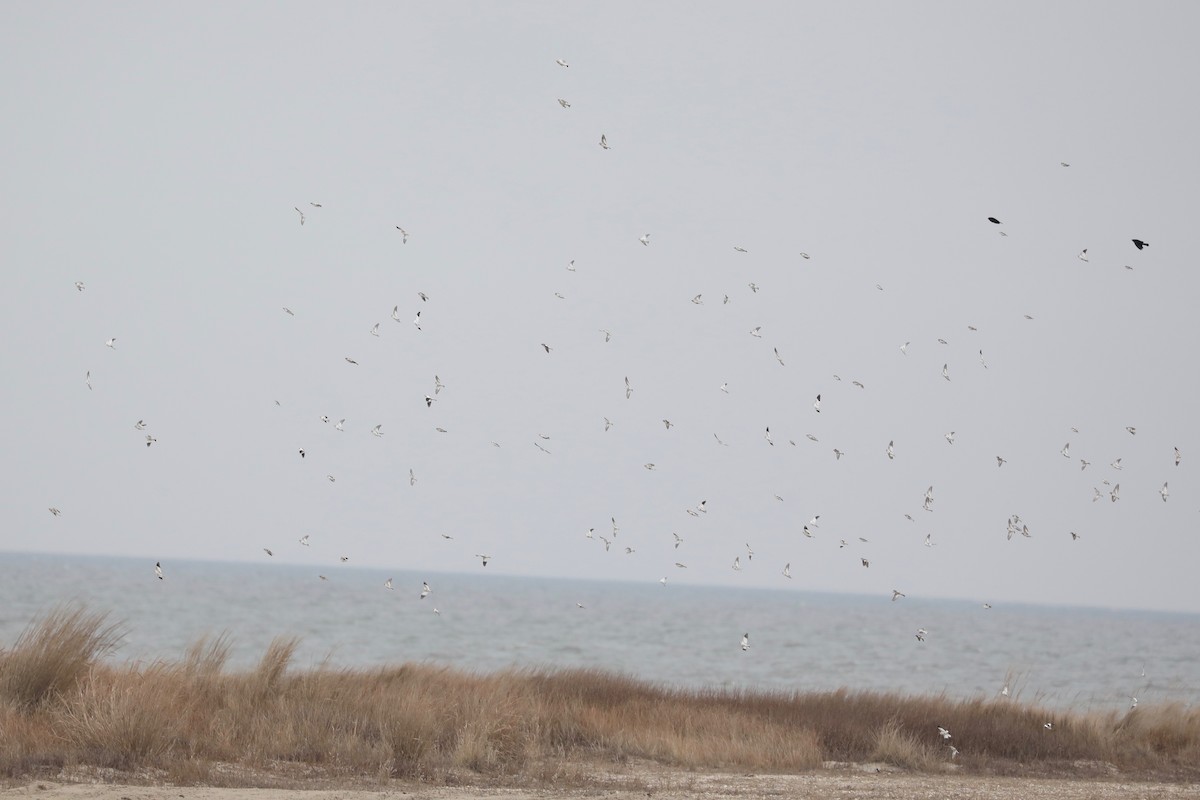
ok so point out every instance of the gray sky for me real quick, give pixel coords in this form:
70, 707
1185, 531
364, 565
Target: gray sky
156, 152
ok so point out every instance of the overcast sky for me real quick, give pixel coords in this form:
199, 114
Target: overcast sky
157, 152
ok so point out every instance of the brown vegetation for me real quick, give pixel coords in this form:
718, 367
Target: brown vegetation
63, 705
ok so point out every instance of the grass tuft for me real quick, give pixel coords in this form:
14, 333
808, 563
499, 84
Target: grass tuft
62, 704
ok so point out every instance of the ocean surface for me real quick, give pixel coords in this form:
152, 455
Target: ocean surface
675, 634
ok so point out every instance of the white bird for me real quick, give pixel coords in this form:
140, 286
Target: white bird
1163, 491
628, 389
950, 437
945, 734
340, 425
817, 404
388, 584
614, 526
753, 287
837, 454
87, 378
1116, 464
571, 266
301, 213
412, 479
891, 453
563, 103
1178, 456
644, 239
921, 634
667, 424
417, 321
403, 235
663, 580
1083, 255
1066, 450
150, 440
79, 285
604, 142
1084, 464
649, 465
953, 751
757, 332
1050, 725
897, 594
865, 562
777, 357
737, 564
54, 511
561, 63
377, 430
745, 641
1115, 494
158, 570
928, 504
725, 387
678, 539
425, 590
787, 570
111, 343
607, 423
396, 313
350, 360
929, 540
698, 300
904, 348
304, 540
375, 329
946, 371
484, 557
288, 311
140, 425
768, 436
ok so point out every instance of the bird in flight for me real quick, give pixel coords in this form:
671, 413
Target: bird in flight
891, 453
484, 557
817, 404
604, 142
301, 213
745, 642
1083, 254
994, 221
158, 570
644, 239
945, 734
921, 634
563, 103
425, 590
1163, 491
377, 430
87, 378
1000, 461
267, 550
111, 343
757, 332
628, 390
304, 540
897, 594
561, 63
56, 512
787, 570
403, 235
1139, 244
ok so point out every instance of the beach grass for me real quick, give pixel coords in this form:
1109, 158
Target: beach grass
64, 705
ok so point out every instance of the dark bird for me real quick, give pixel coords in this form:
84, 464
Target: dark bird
1139, 244
993, 220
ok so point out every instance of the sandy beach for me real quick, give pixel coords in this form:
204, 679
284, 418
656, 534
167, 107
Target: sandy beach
848, 784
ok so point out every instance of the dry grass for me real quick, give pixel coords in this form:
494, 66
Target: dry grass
63, 705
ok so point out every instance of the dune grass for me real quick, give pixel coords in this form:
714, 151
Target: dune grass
64, 704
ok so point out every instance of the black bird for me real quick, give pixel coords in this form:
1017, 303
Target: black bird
1139, 244
993, 220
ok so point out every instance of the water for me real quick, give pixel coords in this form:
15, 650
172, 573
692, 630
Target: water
677, 635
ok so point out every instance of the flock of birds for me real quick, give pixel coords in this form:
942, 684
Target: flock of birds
1016, 526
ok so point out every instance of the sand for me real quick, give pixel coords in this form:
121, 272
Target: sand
844, 784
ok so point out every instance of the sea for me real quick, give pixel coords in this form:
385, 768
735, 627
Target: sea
675, 635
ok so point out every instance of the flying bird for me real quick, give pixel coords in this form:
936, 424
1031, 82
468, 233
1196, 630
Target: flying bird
301, 213
87, 378
425, 590
787, 570
158, 570
267, 550
54, 511
817, 404
645, 239
561, 63
1163, 491
111, 343
1083, 254
79, 285
946, 371
484, 557
745, 642
921, 634
897, 594
628, 390
563, 103
604, 142
945, 734
757, 332
777, 357
388, 584
1139, 244
403, 235
377, 430
993, 220
891, 453
304, 540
